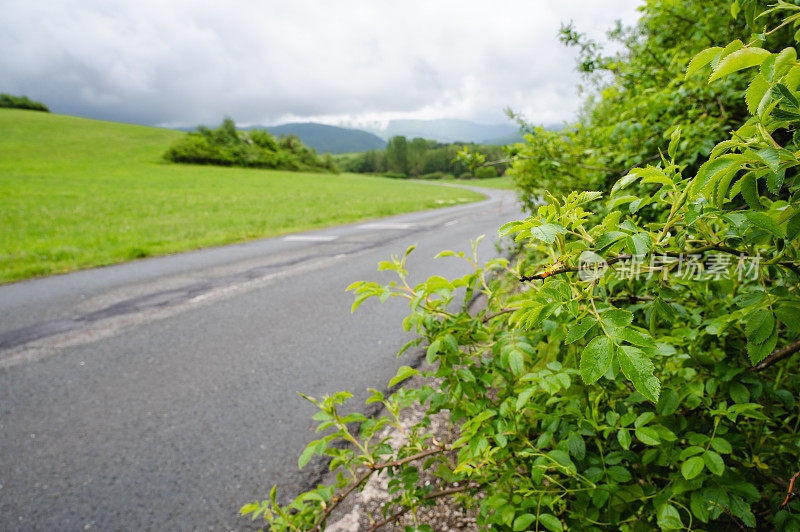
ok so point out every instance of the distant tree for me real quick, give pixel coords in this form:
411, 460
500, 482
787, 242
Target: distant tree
397, 155
21, 102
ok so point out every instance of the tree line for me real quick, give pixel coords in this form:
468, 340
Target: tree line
427, 159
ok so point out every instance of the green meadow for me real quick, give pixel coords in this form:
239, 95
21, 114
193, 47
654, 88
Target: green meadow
77, 193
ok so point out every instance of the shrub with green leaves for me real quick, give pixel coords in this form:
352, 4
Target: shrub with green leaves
226, 146
633, 369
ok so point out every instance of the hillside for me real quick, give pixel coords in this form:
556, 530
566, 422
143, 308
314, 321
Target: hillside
330, 139
76, 193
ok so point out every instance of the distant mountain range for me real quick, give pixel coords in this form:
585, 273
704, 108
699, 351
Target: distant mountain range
446, 130
334, 139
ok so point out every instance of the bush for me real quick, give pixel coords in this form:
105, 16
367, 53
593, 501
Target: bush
21, 102
436, 175
226, 146
644, 377
485, 172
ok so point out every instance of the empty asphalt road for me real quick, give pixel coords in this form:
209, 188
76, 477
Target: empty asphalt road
161, 394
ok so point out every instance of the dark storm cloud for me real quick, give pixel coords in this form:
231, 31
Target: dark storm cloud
262, 62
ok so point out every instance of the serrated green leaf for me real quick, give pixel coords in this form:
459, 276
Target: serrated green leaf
739, 60
721, 445
647, 435
619, 474
669, 518
749, 189
639, 370
714, 462
596, 359
433, 350
668, 403
402, 374
713, 170
765, 222
638, 244
699, 506
758, 352
789, 315
624, 438
550, 522
692, 467
702, 59
759, 326
516, 361
577, 447
755, 93
578, 331
771, 157
523, 522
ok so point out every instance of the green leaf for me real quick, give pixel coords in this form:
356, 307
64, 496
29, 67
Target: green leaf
550, 522
750, 190
789, 315
702, 59
758, 352
596, 359
433, 350
668, 403
313, 447
699, 506
759, 326
739, 393
692, 467
721, 445
402, 374
739, 60
755, 93
643, 419
712, 170
624, 438
639, 370
771, 157
638, 244
714, 462
647, 435
619, 474
547, 232
765, 222
577, 447
577, 332
524, 521
669, 518
516, 361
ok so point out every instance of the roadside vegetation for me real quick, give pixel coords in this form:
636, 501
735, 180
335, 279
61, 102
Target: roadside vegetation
636, 366
77, 193
257, 148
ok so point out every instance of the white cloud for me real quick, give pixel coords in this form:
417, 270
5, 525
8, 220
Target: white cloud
187, 62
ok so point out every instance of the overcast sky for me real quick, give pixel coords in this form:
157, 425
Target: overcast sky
266, 62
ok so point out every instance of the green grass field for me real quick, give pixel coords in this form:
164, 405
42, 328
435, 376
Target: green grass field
77, 193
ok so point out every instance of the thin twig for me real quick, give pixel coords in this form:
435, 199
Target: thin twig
778, 354
365, 476
499, 313
397, 515
789, 491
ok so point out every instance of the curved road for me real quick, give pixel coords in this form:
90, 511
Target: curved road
161, 394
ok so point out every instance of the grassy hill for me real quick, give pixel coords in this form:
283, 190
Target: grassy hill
76, 193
